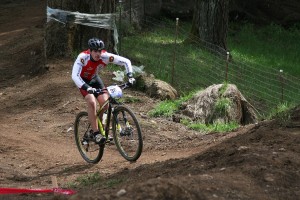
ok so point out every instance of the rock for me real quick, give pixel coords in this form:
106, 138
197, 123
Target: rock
269, 177
121, 192
155, 88
219, 103
162, 90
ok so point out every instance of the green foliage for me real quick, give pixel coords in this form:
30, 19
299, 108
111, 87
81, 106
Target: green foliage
209, 128
223, 88
86, 180
113, 182
89, 179
215, 127
282, 113
168, 107
165, 108
185, 121
222, 106
257, 52
156, 50
92, 179
266, 46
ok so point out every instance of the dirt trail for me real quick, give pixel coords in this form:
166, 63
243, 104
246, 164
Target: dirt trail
37, 114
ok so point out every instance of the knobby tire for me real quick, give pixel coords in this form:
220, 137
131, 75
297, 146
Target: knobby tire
129, 141
91, 153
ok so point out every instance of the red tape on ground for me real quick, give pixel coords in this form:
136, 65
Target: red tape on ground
24, 190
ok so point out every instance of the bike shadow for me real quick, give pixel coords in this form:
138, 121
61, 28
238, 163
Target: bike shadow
59, 170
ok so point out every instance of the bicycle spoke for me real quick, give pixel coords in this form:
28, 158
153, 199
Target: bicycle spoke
89, 150
127, 134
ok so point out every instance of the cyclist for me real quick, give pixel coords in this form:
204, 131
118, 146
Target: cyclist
85, 75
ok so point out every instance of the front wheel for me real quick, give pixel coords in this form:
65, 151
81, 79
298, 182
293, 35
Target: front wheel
89, 150
127, 133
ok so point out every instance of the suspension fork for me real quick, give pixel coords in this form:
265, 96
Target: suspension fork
100, 126
109, 112
118, 126
125, 119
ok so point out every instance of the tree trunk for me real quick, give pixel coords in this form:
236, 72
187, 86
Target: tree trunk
264, 12
210, 22
65, 39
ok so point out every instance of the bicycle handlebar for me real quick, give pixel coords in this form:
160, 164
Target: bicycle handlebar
122, 86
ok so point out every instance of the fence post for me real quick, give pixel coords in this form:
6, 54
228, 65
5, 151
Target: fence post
227, 63
175, 49
281, 83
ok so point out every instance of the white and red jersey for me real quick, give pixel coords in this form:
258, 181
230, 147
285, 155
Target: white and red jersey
84, 69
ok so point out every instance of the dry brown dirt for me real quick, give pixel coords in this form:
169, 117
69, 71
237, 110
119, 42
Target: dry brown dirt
37, 111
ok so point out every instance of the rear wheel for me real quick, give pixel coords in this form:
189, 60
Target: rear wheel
89, 150
127, 133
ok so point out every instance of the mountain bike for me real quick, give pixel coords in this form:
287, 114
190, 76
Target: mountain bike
126, 131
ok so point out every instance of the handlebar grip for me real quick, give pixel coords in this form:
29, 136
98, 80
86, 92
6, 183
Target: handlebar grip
90, 91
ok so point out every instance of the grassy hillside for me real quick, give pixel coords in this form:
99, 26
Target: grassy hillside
264, 62
271, 46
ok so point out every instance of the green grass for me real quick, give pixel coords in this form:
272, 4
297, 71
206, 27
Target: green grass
281, 113
85, 180
271, 46
216, 127
222, 105
266, 49
158, 52
113, 182
168, 107
92, 179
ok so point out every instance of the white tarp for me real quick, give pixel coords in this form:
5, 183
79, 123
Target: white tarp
106, 21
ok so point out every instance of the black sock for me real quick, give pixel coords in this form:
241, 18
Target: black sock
96, 132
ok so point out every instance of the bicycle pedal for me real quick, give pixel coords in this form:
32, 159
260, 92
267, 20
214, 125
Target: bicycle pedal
99, 139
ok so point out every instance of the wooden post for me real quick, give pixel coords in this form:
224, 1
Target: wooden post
227, 62
175, 49
281, 80
54, 182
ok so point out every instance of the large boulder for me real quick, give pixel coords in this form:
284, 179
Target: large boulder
219, 103
155, 88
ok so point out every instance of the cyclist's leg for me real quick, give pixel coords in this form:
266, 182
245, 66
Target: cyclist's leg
92, 116
103, 102
92, 109
102, 98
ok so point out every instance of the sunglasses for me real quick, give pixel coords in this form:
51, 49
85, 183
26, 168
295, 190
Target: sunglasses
96, 50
